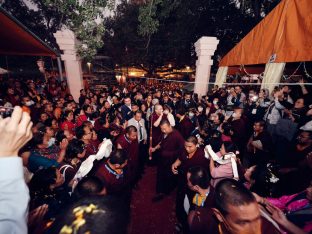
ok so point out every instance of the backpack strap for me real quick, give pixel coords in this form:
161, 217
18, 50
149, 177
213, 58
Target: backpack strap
64, 168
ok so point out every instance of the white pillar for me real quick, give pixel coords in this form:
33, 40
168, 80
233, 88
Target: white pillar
67, 42
205, 48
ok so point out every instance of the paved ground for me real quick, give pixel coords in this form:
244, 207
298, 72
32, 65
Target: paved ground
148, 217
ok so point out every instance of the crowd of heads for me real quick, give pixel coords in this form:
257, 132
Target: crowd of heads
247, 121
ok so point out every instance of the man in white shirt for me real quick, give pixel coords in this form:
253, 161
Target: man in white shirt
139, 123
15, 132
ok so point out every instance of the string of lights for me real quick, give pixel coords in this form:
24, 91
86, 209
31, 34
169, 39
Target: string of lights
305, 71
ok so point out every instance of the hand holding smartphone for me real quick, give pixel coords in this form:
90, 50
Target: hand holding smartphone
6, 111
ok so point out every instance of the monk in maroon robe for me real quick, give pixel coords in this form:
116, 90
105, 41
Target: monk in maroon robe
185, 125
239, 125
170, 147
156, 118
112, 174
192, 156
129, 143
234, 206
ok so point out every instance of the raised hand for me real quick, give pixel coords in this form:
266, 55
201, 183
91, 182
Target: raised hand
15, 132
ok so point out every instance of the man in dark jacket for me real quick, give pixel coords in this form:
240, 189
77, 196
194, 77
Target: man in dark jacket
126, 110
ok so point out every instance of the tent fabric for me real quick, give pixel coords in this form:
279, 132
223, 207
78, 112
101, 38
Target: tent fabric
221, 76
246, 70
272, 75
16, 39
286, 33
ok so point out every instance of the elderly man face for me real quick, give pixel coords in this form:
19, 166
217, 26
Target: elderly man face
158, 109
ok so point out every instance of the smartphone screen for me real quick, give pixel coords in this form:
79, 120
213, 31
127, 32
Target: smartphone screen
6, 111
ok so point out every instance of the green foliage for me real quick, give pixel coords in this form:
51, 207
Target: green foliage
148, 19
162, 32
85, 18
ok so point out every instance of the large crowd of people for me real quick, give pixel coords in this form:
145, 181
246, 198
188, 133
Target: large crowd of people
239, 158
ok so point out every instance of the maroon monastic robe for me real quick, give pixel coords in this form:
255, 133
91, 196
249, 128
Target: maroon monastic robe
198, 159
92, 147
240, 133
202, 220
131, 148
113, 183
185, 127
156, 131
206, 222
171, 147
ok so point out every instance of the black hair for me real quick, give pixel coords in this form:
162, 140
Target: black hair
104, 117
261, 123
48, 122
164, 121
43, 112
192, 139
261, 181
167, 107
43, 179
74, 148
89, 186
118, 157
37, 139
130, 129
227, 129
85, 107
138, 112
59, 136
229, 147
43, 129
199, 176
65, 114
181, 111
105, 214
216, 134
220, 117
231, 192
135, 104
67, 103
77, 112
80, 132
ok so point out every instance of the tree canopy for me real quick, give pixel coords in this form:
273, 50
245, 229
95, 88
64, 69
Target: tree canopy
164, 31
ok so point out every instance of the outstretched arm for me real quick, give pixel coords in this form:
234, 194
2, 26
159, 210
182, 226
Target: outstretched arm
15, 132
